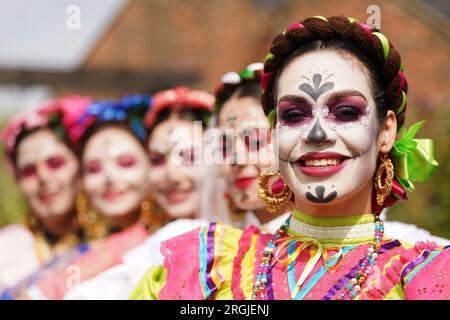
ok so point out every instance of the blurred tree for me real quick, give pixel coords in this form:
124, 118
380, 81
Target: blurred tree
12, 204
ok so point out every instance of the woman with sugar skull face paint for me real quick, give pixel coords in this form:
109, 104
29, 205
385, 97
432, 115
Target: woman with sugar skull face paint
39, 146
336, 91
115, 173
246, 148
241, 115
175, 124
115, 166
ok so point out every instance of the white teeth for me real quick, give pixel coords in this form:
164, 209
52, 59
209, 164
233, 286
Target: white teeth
322, 162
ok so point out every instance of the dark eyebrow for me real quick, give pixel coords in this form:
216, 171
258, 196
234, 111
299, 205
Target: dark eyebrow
334, 97
293, 98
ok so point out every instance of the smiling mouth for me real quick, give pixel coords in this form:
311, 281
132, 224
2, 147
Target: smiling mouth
320, 164
176, 196
48, 198
113, 195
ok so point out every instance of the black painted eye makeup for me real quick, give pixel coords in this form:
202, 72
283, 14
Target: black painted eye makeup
291, 112
348, 109
346, 113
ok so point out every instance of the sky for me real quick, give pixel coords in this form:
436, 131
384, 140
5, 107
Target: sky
52, 35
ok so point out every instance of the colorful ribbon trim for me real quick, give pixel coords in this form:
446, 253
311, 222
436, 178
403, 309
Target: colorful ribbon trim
321, 18
384, 42
319, 250
271, 117
417, 264
209, 280
413, 158
344, 280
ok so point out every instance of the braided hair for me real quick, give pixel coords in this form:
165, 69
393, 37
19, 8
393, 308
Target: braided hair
367, 44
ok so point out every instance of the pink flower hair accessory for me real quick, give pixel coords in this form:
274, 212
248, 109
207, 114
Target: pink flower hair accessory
177, 99
63, 112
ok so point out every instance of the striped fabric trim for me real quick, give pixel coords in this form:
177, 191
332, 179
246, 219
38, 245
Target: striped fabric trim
344, 280
314, 279
251, 268
375, 281
209, 279
412, 268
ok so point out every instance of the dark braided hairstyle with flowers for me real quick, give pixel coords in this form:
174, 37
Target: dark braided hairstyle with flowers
413, 158
367, 44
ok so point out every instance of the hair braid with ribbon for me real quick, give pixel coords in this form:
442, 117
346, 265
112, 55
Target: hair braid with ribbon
413, 158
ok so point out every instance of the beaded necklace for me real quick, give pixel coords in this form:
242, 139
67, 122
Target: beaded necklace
353, 286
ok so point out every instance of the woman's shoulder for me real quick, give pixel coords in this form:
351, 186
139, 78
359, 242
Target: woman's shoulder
415, 272
140, 258
18, 252
14, 231
426, 271
411, 233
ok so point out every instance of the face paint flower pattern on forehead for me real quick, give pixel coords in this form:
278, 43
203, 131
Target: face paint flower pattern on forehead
318, 88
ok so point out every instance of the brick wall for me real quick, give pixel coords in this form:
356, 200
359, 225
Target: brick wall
213, 37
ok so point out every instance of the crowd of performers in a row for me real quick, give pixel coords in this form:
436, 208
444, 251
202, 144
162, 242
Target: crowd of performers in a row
108, 183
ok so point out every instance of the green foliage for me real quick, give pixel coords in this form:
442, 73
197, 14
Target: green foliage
12, 204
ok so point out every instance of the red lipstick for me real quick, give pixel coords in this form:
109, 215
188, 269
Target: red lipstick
244, 182
321, 164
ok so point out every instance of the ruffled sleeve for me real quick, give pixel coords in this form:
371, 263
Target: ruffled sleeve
197, 265
427, 275
150, 285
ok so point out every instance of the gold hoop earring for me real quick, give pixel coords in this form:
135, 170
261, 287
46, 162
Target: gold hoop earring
273, 202
386, 170
89, 220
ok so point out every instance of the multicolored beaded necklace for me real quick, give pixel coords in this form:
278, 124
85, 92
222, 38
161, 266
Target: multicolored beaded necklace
350, 290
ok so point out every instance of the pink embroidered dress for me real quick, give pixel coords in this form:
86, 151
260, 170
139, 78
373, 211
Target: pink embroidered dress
222, 263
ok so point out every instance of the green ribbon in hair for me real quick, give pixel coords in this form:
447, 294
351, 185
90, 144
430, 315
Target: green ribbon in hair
271, 118
246, 74
413, 159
